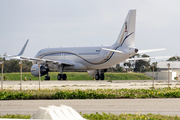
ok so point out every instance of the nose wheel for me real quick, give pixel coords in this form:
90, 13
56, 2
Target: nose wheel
47, 78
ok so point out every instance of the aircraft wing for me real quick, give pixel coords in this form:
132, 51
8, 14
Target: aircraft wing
48, 61
22, 58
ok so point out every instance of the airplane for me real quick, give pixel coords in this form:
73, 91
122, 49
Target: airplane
94, 59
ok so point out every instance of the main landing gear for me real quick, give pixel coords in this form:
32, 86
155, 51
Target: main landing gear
61, 76
99, 75
47, 78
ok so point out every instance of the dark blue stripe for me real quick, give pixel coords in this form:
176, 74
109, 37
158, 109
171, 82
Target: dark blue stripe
120, 45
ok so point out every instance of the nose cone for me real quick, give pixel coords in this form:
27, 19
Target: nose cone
136, 50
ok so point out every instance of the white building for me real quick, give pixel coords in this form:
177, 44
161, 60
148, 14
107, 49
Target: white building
162, 73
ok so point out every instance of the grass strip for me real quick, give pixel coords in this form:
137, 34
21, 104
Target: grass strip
90, 94
80, 76
125, 116
17, 116
110, 116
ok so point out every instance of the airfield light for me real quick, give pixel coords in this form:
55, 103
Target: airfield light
20, 64
2, 75
39, 76
168, 73
153, 75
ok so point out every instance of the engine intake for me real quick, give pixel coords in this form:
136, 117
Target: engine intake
136, 50
35, 70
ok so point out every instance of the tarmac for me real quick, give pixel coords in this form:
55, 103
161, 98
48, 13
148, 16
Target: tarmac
114, 106
90, 84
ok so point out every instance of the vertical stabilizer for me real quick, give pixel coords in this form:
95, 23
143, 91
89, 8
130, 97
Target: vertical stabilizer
127, 34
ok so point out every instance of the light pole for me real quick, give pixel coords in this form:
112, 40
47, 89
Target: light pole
39, 76
2, 75
168, 73
20, 64
153, 75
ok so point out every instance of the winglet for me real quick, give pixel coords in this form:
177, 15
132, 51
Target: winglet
5, 54
22, 51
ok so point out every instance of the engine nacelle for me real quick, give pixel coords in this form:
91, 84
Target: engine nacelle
94, 72
35, 70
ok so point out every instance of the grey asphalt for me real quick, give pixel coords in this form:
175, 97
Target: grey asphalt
114, 106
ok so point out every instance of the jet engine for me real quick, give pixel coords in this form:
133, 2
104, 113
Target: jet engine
35, 70
94, 72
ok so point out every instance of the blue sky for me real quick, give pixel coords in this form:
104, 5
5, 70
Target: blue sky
55, 23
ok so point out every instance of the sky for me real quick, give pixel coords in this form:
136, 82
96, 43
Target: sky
56, 23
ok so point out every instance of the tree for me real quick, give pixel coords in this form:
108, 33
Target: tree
141, 65
119, 68
155, 66
13, 66
111, 69
176, 58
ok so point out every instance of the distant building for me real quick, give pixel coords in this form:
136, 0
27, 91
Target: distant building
162, 73
174, 66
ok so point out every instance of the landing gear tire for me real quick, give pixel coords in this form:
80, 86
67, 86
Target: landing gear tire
97, 76
64, 77
47, 77
59, 77
102, 76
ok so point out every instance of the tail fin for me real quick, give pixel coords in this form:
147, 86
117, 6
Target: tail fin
127, 34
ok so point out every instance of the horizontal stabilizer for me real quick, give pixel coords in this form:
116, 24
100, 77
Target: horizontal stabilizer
151, 50
147, 58
117, 51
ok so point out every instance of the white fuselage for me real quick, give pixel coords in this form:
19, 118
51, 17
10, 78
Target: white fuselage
87, 58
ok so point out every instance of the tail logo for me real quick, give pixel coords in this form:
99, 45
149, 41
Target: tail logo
125, 26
